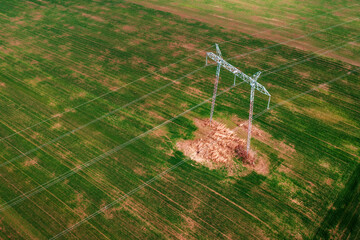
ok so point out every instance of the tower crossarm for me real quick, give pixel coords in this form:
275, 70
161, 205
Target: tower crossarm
262, 89
237, 72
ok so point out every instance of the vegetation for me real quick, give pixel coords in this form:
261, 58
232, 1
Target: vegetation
72, 88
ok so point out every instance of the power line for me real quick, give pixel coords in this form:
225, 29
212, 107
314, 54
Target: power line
139, 79
118, 109
176, 165
73, 171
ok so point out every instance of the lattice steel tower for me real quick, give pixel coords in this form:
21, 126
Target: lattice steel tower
237, 73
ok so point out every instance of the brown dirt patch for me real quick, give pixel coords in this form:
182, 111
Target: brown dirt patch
35, 135
284, 169
329, 181
113, 88
81, 94
285, 150
137, 61
31, 162
121, 5
52, 104
34, 82
304, 75
96, 18
82, 204
151, 69
57, 115
120, 48
15, 42
20, 22
262, 166
194, 91
218, 146
325, 165
6, 50
56, 126
140, 171
297, 202
128, 28
81, 7
108, 213
156, 115
348, 146
159, 132
164, 70
34, 62
38, 17
213, 145
190, 46
163, 58
70, 110
255, 131
324, 87
189, 223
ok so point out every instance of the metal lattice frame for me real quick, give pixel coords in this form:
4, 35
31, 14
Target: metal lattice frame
237, 73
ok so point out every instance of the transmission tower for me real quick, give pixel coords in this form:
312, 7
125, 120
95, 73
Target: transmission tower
237, 73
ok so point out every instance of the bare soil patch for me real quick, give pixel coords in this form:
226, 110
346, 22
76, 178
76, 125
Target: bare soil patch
15, 42
214, 144
220, 145
140, 171
217, 146
156, 115
78, 95
34, 81
329, 181
56, 126
304, 75
351, 147
31, 162
255, 131
38, 16
137, 61
128, 28
96, 18
6, 50
323, 88
82, 203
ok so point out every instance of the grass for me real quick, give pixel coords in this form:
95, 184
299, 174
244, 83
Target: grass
76, 51
342, 219
252, 17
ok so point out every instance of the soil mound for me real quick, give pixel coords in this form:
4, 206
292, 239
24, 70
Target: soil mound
214, 145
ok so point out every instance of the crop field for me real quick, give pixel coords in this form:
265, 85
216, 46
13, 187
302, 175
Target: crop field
95, 96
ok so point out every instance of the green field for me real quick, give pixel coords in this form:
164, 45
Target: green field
94, 96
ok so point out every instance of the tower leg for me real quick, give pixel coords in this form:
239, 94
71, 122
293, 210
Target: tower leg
268, 107
250, 118
215, 91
